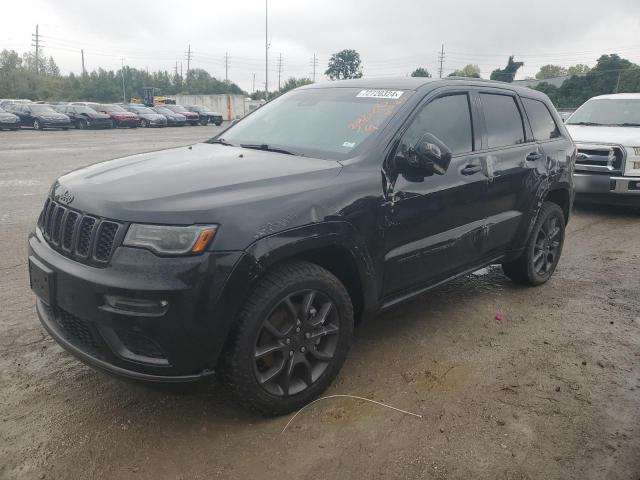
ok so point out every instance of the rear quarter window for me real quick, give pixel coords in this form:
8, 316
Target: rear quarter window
542, 123
502, 119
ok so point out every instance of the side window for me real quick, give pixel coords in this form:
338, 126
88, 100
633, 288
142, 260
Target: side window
503, 120
448, 118
542, 123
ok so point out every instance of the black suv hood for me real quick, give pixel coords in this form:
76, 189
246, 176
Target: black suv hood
205, 183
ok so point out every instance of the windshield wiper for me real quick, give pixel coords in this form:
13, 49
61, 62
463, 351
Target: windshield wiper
267, 148
626, 124
589, 124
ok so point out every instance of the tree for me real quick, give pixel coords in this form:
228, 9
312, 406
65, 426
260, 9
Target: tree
420, 72
579, 69
508, 73
471, 71
344, 65
551, 71
294, 83
610, 75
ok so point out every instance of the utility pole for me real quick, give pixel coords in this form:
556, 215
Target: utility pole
618, 82
226, 67
279, 69
175, 70
254, 83
35, 41
266, 47
314, 64
124, 95
181, 71
84, 71
188, 55
441, 59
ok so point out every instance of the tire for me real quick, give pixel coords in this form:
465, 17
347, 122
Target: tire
144, 123
542, 253
37, 125
315, 345
82, 125
204, 122
218, 124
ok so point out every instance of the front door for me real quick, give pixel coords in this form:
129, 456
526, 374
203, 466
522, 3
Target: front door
434, 227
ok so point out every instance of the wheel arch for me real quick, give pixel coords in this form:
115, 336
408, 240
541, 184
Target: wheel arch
331, 245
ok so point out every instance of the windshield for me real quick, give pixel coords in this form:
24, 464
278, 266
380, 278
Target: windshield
113, 108
323, 122
42, 109
82, 109
164, 111
177, 108
142, 110
611, 112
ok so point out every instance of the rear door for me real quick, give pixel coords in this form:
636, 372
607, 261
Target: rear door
510, 159
434, 226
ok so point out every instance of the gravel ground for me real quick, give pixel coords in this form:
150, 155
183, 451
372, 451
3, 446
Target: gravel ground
552, 390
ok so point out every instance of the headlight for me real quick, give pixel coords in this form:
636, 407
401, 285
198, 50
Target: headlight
168, 240
632, 165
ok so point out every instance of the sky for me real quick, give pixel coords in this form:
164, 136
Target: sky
392, 37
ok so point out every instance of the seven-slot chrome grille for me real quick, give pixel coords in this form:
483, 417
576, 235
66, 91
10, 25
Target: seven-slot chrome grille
85, 238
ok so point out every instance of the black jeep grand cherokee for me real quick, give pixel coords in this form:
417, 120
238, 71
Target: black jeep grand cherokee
256, 253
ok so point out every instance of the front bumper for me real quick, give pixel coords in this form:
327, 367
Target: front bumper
99, 123
53, 124
15, 124
142, 317
607, 188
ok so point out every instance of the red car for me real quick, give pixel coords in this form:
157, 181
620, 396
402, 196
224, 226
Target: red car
192, 117
119, 116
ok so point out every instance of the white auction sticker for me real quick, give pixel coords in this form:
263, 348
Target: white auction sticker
393, 94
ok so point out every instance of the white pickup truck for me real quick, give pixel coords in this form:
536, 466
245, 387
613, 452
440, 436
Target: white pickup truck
606, 130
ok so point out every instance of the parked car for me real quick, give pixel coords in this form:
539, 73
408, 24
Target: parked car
256, 253
192, 117
9, 121
206, 115
607, 132
83, 117
119, 116
173, 119
7, 101
146, 116
39, 116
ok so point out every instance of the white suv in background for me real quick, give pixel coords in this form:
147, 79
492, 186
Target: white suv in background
606, 130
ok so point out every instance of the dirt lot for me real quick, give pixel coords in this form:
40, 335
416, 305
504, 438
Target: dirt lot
552, 390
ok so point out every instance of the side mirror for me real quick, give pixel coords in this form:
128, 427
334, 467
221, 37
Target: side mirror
427, 157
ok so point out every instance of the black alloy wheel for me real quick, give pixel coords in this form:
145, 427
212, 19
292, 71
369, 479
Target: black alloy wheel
290, 339
296, 342
82, 124
542, 253
37, 125
546, 249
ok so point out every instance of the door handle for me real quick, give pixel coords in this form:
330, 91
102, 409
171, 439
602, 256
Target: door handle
471, 169
534, 156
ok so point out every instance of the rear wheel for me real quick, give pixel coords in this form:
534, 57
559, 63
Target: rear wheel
291, 339
37, 125
544, 247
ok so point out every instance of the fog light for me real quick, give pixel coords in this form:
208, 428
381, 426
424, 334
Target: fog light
135, 306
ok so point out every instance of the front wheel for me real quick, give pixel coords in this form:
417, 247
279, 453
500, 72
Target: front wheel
291, 339
542, 253
37, 125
